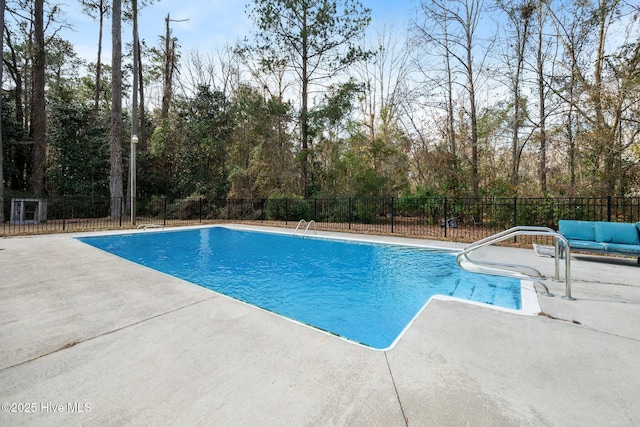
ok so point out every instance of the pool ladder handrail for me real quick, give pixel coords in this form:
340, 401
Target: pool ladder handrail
522, 231
315, 231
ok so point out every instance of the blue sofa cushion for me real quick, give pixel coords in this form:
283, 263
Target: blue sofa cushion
577, 230
617, 232
623, 249
586, 245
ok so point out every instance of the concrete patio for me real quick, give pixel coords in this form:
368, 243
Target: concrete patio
87, 338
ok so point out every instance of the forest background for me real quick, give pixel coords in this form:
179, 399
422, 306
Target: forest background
473, 98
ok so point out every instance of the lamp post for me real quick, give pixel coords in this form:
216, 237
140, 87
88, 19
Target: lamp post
132, 178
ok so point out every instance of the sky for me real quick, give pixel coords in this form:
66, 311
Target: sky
204, 24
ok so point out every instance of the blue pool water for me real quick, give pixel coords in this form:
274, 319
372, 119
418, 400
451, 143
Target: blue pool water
364, 292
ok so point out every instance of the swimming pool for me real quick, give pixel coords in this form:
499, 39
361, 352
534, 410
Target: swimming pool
364, 292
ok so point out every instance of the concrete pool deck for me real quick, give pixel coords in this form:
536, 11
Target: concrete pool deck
87, 338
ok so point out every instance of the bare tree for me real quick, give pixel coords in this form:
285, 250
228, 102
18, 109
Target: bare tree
542, 15
386, 81
385, 101
606, 78
520, 15
451, 28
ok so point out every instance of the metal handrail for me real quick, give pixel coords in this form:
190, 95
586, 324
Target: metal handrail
507, 233
315, 231
521, 231
307, 228
298, 226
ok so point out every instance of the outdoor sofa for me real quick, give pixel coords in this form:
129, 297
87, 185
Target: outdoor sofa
616, 238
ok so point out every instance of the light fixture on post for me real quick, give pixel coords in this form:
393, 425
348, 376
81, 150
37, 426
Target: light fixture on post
132, 178
134, 112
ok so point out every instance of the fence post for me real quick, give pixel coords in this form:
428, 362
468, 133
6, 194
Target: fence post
164, 211
445, 217
349, 213
64, 212
121, 209
286, 211
609, 208
515, 216
200, 200
393, 213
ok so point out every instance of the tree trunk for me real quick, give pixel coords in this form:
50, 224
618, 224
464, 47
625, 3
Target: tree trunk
572, 150
453, 166
542, 172
115, 143
99, 61
304, 119
2, 3
39, 106
12, 67
605, 134
132, 191
451, 128
169, 65
522, 17
473, 111
142, 135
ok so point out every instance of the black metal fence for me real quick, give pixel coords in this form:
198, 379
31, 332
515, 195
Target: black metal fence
461, 219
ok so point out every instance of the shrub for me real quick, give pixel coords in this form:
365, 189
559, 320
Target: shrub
282, 207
